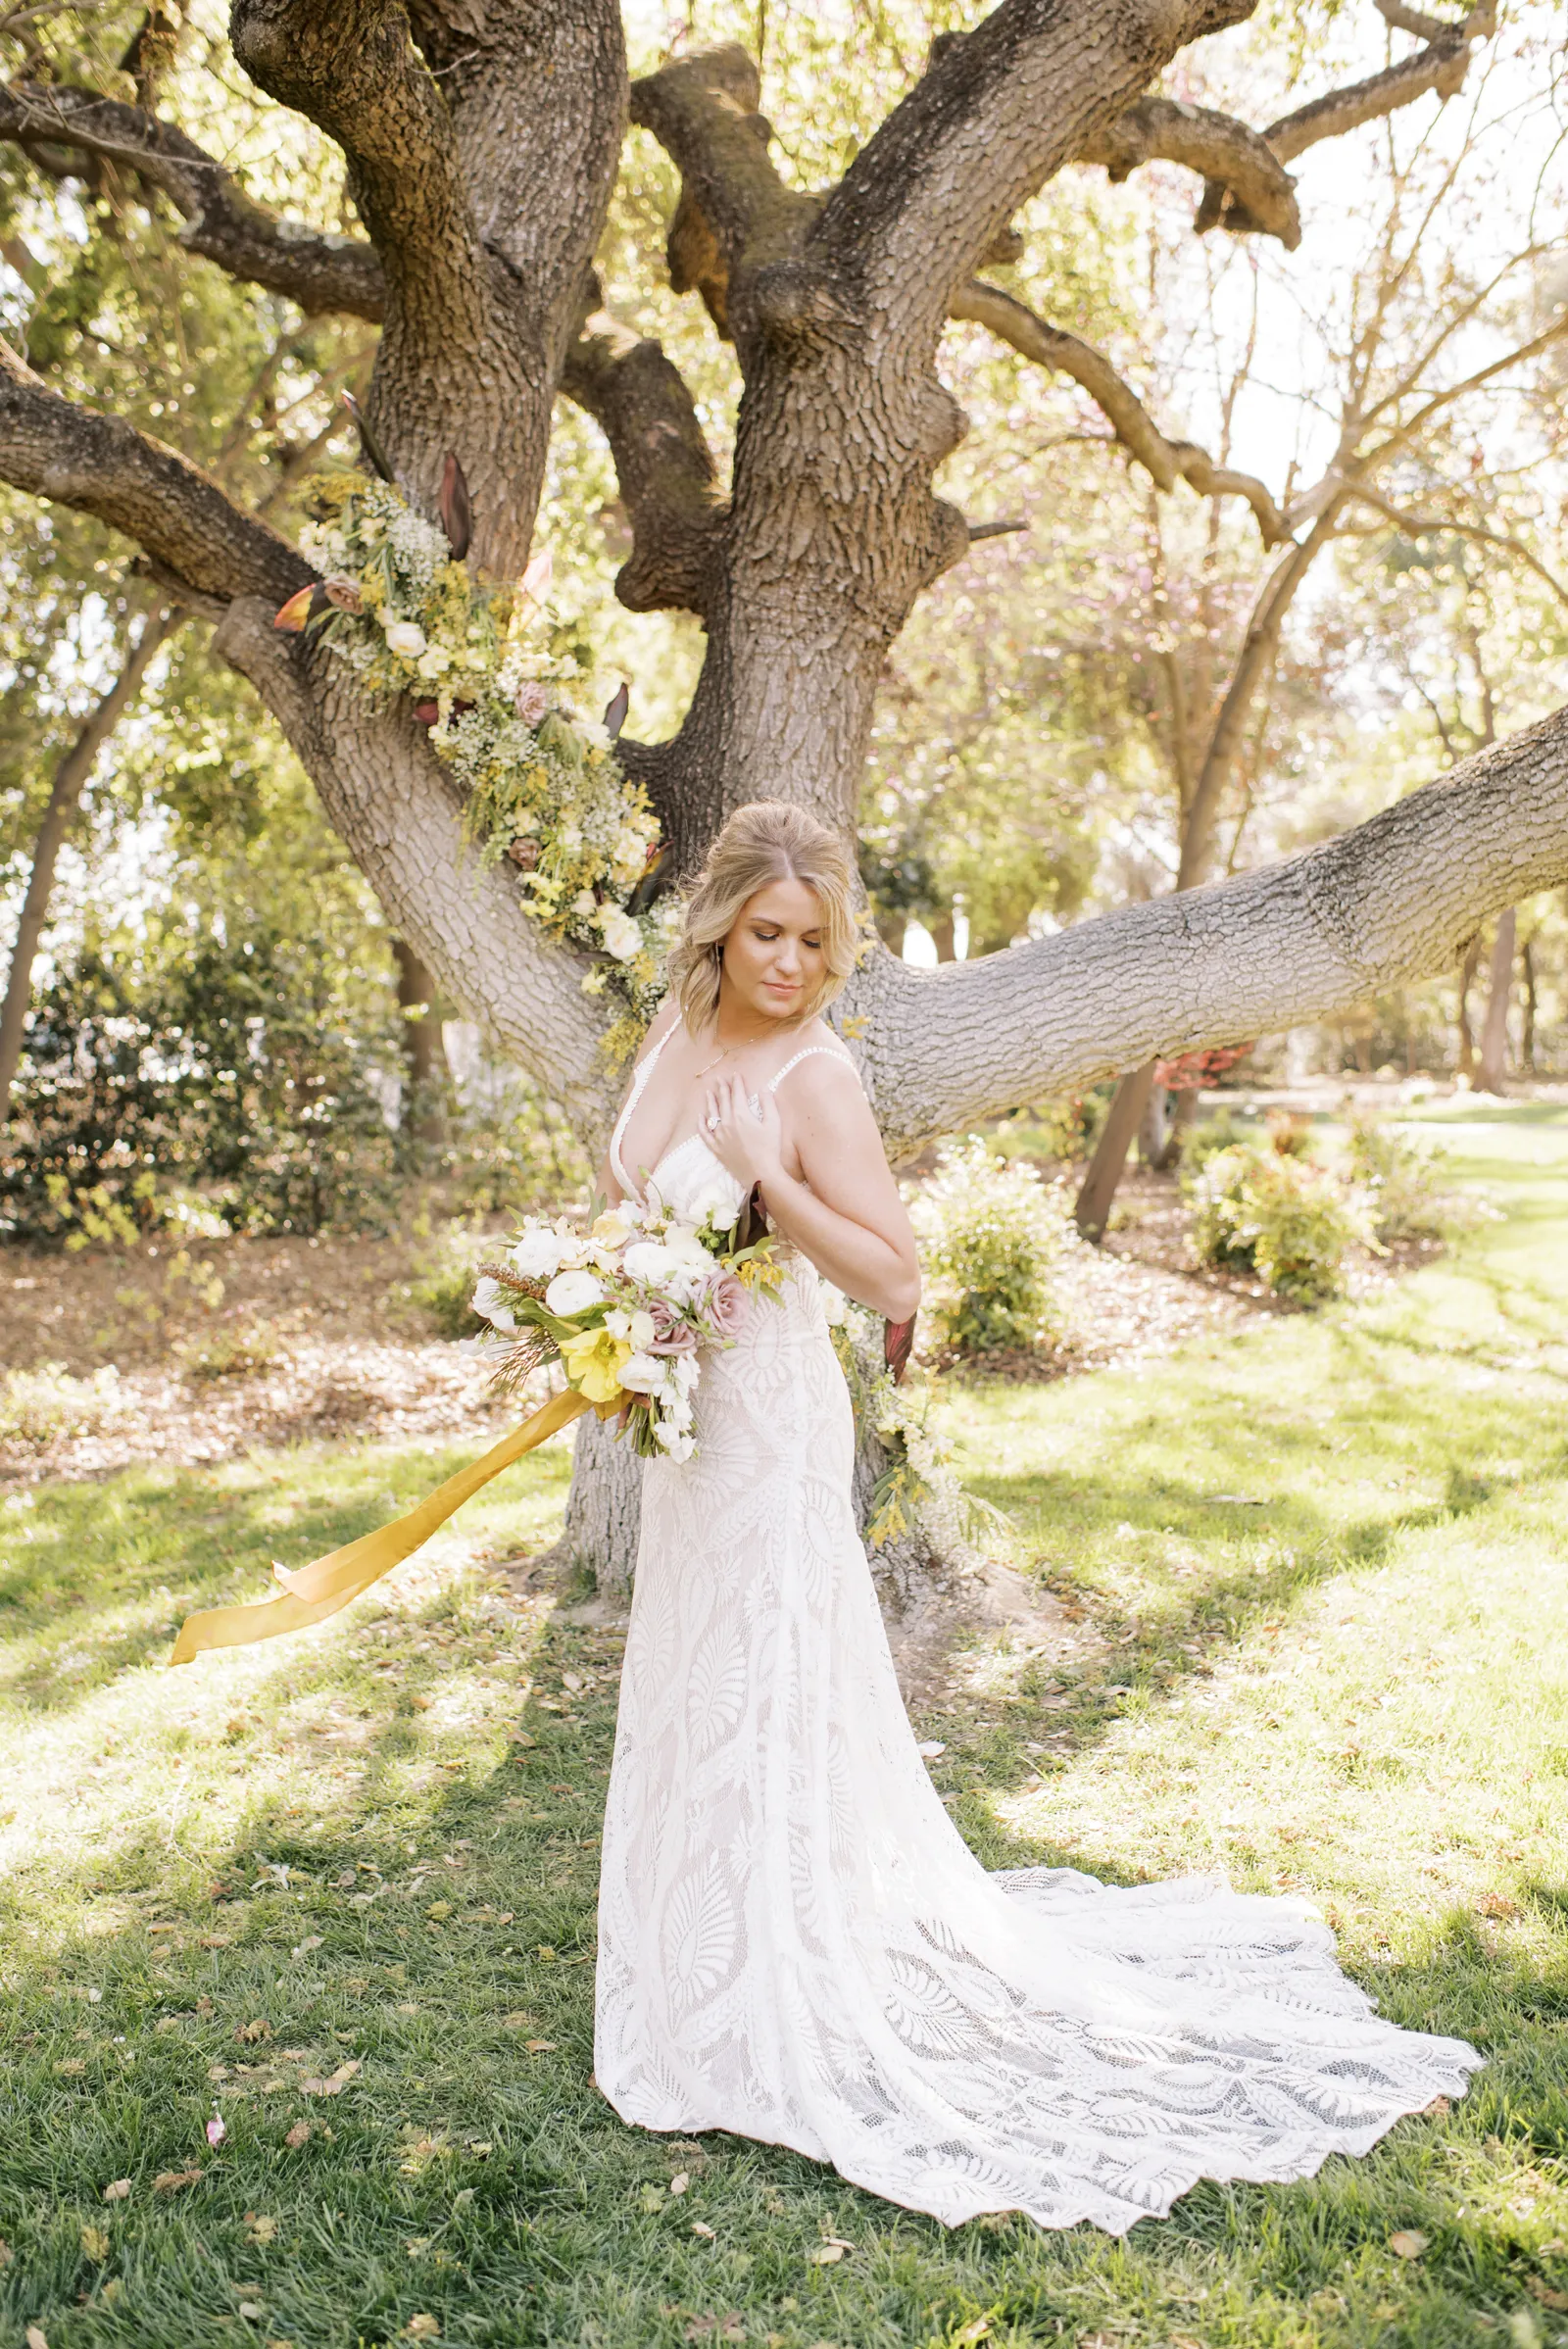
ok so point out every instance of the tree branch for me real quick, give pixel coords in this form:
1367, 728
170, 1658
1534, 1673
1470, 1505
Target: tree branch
1435, 525
1166, 462
1378, 907
1441, 65
665, 471
1224, 151
64, 129
201, 547
995, 114
735, 212
352, 68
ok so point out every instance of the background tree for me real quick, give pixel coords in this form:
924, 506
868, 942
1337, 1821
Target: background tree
478, 148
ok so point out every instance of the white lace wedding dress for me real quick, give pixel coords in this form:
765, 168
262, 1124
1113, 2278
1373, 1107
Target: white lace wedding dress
796, 1944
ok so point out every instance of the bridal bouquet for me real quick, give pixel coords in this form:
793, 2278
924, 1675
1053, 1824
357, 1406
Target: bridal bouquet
627, 1307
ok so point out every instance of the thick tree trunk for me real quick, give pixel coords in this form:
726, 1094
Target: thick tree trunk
1467, 1043
65, 795
1128, 1105
422, 1114
1527, 1042
1493, 1072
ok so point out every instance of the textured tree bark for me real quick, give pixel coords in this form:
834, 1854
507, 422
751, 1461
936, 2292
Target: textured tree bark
65, 795
481, 140
421, 1115
1493, 1072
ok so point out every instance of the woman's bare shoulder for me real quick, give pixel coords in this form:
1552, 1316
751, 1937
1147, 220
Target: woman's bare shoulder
667, 1016
821, 1067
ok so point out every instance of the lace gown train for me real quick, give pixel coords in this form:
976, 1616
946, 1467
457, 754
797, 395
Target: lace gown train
795, 1942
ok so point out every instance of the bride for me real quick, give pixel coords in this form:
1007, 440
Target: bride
795, 1944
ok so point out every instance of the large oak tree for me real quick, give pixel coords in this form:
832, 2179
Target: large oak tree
483, 140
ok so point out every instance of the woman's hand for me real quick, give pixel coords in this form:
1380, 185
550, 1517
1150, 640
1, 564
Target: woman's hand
746, 1142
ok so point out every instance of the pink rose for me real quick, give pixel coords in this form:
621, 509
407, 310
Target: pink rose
672, 1335
531, 704
728, 1305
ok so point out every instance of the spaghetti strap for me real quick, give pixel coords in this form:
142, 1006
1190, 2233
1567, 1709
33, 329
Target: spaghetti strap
640, 1076
828, 1051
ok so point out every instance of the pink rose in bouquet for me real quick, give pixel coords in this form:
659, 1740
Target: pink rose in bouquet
671, 1334
728, 1305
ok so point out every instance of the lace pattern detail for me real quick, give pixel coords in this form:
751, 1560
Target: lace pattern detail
796, 1944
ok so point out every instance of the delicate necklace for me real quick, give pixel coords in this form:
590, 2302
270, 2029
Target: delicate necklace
739, 1046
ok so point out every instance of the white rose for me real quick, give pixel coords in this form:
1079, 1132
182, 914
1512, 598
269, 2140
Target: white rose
619, 932
684, 1248
538, 1253
718, 1199
486, 1298
644, 1373
648, 1261
407, 638
594, 732
572, 1292
835, 1304
434, 664
583, 905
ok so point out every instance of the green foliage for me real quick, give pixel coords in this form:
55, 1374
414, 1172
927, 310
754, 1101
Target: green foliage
1263, 1210
229, 1071
990, 1231
1397, 1174
1221, 1132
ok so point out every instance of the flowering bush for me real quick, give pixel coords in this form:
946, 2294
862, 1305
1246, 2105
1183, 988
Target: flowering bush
1294, 1224
1398, 1178
627, 1308
989, 1234
493, 679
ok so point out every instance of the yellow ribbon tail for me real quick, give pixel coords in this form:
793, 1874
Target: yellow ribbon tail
312, 1592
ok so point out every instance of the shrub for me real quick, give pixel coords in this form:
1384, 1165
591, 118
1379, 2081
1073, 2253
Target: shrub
990, 1232
227, 1069
1292, 1223
1398, 1176
1221, 1132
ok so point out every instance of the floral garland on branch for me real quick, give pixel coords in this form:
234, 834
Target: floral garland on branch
492, 674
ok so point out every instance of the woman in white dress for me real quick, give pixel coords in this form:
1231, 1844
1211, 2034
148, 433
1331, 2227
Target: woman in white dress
795, 1944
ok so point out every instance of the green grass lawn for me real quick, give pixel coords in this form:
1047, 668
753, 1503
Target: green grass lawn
339, 1890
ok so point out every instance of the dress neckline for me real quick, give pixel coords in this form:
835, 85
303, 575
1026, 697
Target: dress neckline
640, 1077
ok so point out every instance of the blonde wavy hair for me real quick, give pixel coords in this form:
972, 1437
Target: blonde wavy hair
768, 840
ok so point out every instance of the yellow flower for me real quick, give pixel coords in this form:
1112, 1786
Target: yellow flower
593, 1363
611, 1229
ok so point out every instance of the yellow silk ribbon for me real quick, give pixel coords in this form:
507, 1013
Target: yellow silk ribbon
312, 1592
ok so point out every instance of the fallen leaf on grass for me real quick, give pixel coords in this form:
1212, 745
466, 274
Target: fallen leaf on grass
71, 2064
1408, 2244
423, 2329
679, 2182
518, 2021
541, 2046
252, 2309
37, 2337
262, 2229
333, 2086
298, 2136
438, 1910
170, 2182
978, 2328
1545, 2293
95, 2242
212, 1942
7, 2255
311, 1941
1436, 2109
1496, 1904
119, 2191
825, 2254
707, 2233
545, 1951
250, 2032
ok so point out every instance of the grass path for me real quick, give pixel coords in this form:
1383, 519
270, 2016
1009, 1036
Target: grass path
339, 1891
